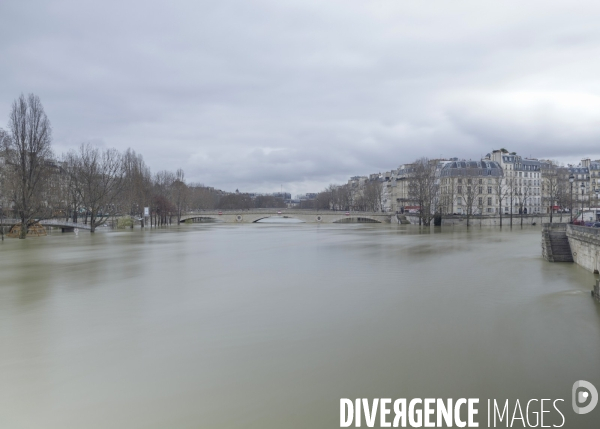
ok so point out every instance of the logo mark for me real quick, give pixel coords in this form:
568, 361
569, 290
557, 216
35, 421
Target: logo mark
582, 392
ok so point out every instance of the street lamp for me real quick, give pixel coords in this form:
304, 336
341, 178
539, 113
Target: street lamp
571, 179
582, 192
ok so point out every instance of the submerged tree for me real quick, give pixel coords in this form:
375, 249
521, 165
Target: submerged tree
99, 180
137, 186
180, 193
27, 152
471, 191
422, 188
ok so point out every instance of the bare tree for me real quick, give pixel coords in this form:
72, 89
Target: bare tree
423, 188
179, 193
99, 179
502, 191
68, 190
324, 200
449, 195
471, 194
550, 188
137, 187
563, 191
524, 197
27, 153
372, 196
4, 201
341, 197
162, 205
237, 201
202, 197
511, 195
270, 201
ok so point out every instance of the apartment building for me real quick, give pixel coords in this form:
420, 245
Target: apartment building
522, 183
469, 187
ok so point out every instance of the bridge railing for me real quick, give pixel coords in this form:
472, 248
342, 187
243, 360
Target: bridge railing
284, 211
47, 222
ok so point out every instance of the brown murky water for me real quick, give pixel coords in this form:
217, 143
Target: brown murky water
268, 326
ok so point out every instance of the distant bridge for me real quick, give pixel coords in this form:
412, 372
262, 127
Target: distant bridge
308, 216
56, 223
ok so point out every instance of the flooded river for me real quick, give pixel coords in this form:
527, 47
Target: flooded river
269, 325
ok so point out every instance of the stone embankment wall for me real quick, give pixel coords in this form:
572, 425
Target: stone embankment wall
489, 220
585, 246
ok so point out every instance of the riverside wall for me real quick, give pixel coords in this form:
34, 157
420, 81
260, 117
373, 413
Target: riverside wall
585, 246
491, 220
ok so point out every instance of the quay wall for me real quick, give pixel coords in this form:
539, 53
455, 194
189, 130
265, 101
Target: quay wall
491, 220
585, 246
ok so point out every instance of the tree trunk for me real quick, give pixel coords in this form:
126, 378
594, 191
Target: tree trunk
521, 215
23, 232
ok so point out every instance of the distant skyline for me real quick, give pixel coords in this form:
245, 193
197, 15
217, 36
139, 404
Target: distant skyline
267, 95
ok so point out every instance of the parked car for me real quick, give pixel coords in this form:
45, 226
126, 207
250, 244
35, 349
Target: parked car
596, 225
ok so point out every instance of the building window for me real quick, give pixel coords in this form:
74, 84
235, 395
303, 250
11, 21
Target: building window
489, 201
489, 189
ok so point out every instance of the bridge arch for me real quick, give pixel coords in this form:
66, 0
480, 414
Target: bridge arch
356, 219
200, 219
278, 216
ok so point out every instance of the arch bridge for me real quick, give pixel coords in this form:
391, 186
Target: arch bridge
56, 223
308, 216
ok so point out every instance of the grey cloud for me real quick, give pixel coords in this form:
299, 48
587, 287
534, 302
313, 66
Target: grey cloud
256, 95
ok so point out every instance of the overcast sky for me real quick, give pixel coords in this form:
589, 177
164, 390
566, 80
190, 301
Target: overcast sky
261, 94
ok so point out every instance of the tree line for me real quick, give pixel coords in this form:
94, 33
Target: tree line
356, 196
91, 184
